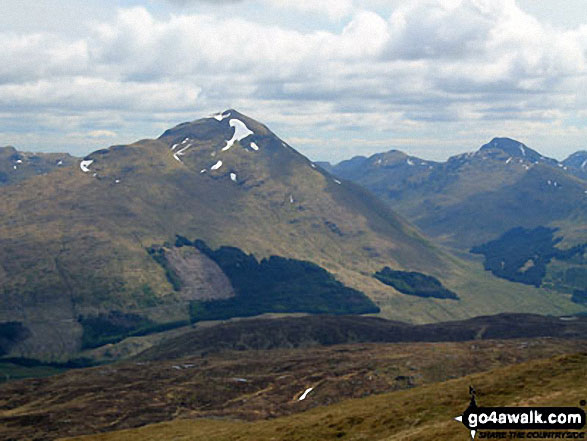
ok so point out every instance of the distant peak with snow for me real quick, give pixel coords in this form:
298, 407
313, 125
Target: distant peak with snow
514, 149
577, 160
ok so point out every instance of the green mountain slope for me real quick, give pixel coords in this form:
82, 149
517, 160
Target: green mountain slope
74, 244
493, 200
477, 196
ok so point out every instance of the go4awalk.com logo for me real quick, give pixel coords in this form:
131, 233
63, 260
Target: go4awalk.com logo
523, 422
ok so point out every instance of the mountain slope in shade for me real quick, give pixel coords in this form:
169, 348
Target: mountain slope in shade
299, 332
477, 196
74, 244
577, 164
16, 166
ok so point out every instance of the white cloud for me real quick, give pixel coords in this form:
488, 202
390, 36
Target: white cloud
428, 63
101, 134
25, 57
86, 93
335, 9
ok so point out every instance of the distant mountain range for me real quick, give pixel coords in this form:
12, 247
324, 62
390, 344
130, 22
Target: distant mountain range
18, 166
525, 212
474, 197
160, 233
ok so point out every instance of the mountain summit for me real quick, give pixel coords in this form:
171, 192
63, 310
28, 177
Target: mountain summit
474, 197
90, 246
577, 160
577, 163
524, 212
513, 149
217, 217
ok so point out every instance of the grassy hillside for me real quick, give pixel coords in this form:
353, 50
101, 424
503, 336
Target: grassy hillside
247, 385
529, 202
75, 242
426, 412
479, 199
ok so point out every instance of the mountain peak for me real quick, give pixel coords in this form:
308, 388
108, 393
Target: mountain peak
224, 145
8, 149
514, 149
510, 146
577, 159
216, 125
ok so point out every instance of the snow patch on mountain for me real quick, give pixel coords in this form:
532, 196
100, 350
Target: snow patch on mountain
84, 165
181, 152
241, 131
305, 394
216, 166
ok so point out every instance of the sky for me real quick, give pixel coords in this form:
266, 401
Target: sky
333, 78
